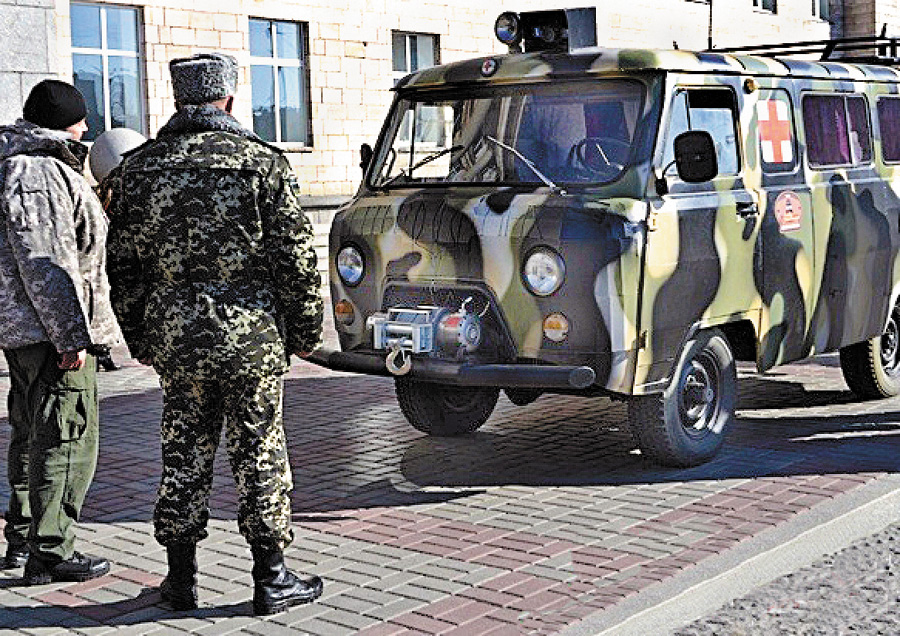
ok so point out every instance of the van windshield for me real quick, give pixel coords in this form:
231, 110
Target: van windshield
550, 134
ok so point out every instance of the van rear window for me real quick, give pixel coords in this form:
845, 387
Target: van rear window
837, 130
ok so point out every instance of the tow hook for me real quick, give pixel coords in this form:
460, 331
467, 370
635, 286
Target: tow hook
398, 361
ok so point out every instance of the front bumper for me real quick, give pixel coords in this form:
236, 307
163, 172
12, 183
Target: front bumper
511, 376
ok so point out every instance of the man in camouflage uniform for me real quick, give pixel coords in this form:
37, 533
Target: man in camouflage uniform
215, 284
55, 310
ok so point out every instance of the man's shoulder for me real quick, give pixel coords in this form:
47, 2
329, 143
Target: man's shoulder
202, 149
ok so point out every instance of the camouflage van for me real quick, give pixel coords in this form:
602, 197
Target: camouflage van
624, 223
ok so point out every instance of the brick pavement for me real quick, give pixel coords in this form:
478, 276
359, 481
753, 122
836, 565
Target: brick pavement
546, 516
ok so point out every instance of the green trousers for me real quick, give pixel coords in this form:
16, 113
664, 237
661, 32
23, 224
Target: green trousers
54, 416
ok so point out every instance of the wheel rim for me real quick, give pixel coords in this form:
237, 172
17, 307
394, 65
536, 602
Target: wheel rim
460, 400
890, 345
698, 395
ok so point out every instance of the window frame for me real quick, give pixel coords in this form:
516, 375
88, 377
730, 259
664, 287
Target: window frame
844, 96
407, 56
407, 51
768, 6
105, 53
817, 12
275, 62
881, 127
681, 91
771, 94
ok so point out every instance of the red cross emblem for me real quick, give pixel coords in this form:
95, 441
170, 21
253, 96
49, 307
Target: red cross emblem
774, 123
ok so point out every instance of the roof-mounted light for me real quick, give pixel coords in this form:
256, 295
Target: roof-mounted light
508, 28
557, 30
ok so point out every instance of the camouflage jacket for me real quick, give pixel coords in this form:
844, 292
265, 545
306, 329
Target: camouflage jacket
210, 256
53, 285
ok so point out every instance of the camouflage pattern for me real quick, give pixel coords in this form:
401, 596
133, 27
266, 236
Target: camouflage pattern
53, 284
194, 413
210, 256
645, 268
215, 281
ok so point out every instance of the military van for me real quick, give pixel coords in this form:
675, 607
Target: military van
624, 223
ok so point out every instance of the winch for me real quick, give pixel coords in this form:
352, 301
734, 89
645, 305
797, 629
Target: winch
424, 329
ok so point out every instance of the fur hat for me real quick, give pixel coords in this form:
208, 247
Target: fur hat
203, 78
54, 104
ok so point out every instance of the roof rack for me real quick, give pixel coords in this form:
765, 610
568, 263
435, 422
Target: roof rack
887, 49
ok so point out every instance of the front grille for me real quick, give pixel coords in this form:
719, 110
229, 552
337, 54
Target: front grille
497, 345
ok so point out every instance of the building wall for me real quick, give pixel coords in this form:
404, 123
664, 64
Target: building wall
27, 51
350, 53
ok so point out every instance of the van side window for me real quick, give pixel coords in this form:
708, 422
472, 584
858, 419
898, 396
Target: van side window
837, 130
775, 128
712, 110
889, 125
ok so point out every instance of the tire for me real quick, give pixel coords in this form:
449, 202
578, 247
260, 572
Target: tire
686, 424
872, 368
443, 410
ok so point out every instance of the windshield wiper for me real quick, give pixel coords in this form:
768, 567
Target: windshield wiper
528, 162
420, 163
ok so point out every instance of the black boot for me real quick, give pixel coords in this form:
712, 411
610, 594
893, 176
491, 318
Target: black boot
78, 567
16, 556
275, 588
179, 588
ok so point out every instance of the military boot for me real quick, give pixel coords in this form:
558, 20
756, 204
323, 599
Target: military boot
275, 588
179, 588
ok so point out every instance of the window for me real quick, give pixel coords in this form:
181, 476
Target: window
279, 55
775, 130
106, 64
412, 52
766, 5
821, 9
711, 110
568, 132
889, 125
837, 130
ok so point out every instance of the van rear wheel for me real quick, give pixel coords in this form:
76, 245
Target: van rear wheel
872, 368
686, 424
443, 410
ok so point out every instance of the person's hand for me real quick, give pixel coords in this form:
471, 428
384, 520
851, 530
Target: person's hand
303, 354
147, 362
72, 360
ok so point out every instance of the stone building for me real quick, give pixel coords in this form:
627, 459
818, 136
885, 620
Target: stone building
316, 74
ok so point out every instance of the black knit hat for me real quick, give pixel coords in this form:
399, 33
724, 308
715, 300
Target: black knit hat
54, 104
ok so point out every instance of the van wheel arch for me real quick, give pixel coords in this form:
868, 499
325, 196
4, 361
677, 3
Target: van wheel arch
685, 425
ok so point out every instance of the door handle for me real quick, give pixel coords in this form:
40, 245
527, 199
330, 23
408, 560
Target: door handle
746, 208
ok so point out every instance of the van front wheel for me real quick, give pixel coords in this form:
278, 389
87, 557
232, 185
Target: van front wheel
443, 410
872, 368
686, 424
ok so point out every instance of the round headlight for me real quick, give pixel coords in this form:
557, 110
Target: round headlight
508, 28
350, 265
544, 271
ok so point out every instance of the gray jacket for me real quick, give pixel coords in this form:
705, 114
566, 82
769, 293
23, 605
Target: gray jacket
53, 285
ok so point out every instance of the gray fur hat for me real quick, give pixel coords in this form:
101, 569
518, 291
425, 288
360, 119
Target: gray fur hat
203, 78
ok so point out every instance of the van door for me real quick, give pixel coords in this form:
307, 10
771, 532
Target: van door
855, 212
787, 229
699, 262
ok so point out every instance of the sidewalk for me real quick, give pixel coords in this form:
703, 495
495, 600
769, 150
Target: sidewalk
545, 521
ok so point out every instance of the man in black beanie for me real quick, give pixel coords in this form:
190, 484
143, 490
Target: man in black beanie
55, 308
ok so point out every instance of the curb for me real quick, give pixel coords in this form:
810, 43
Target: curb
797, 543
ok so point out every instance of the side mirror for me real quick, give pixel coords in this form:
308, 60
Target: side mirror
365, 156
695, 156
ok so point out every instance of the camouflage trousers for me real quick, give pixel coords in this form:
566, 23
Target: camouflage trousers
195, 410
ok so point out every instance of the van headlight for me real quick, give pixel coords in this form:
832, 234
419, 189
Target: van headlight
544, 271
350, 265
